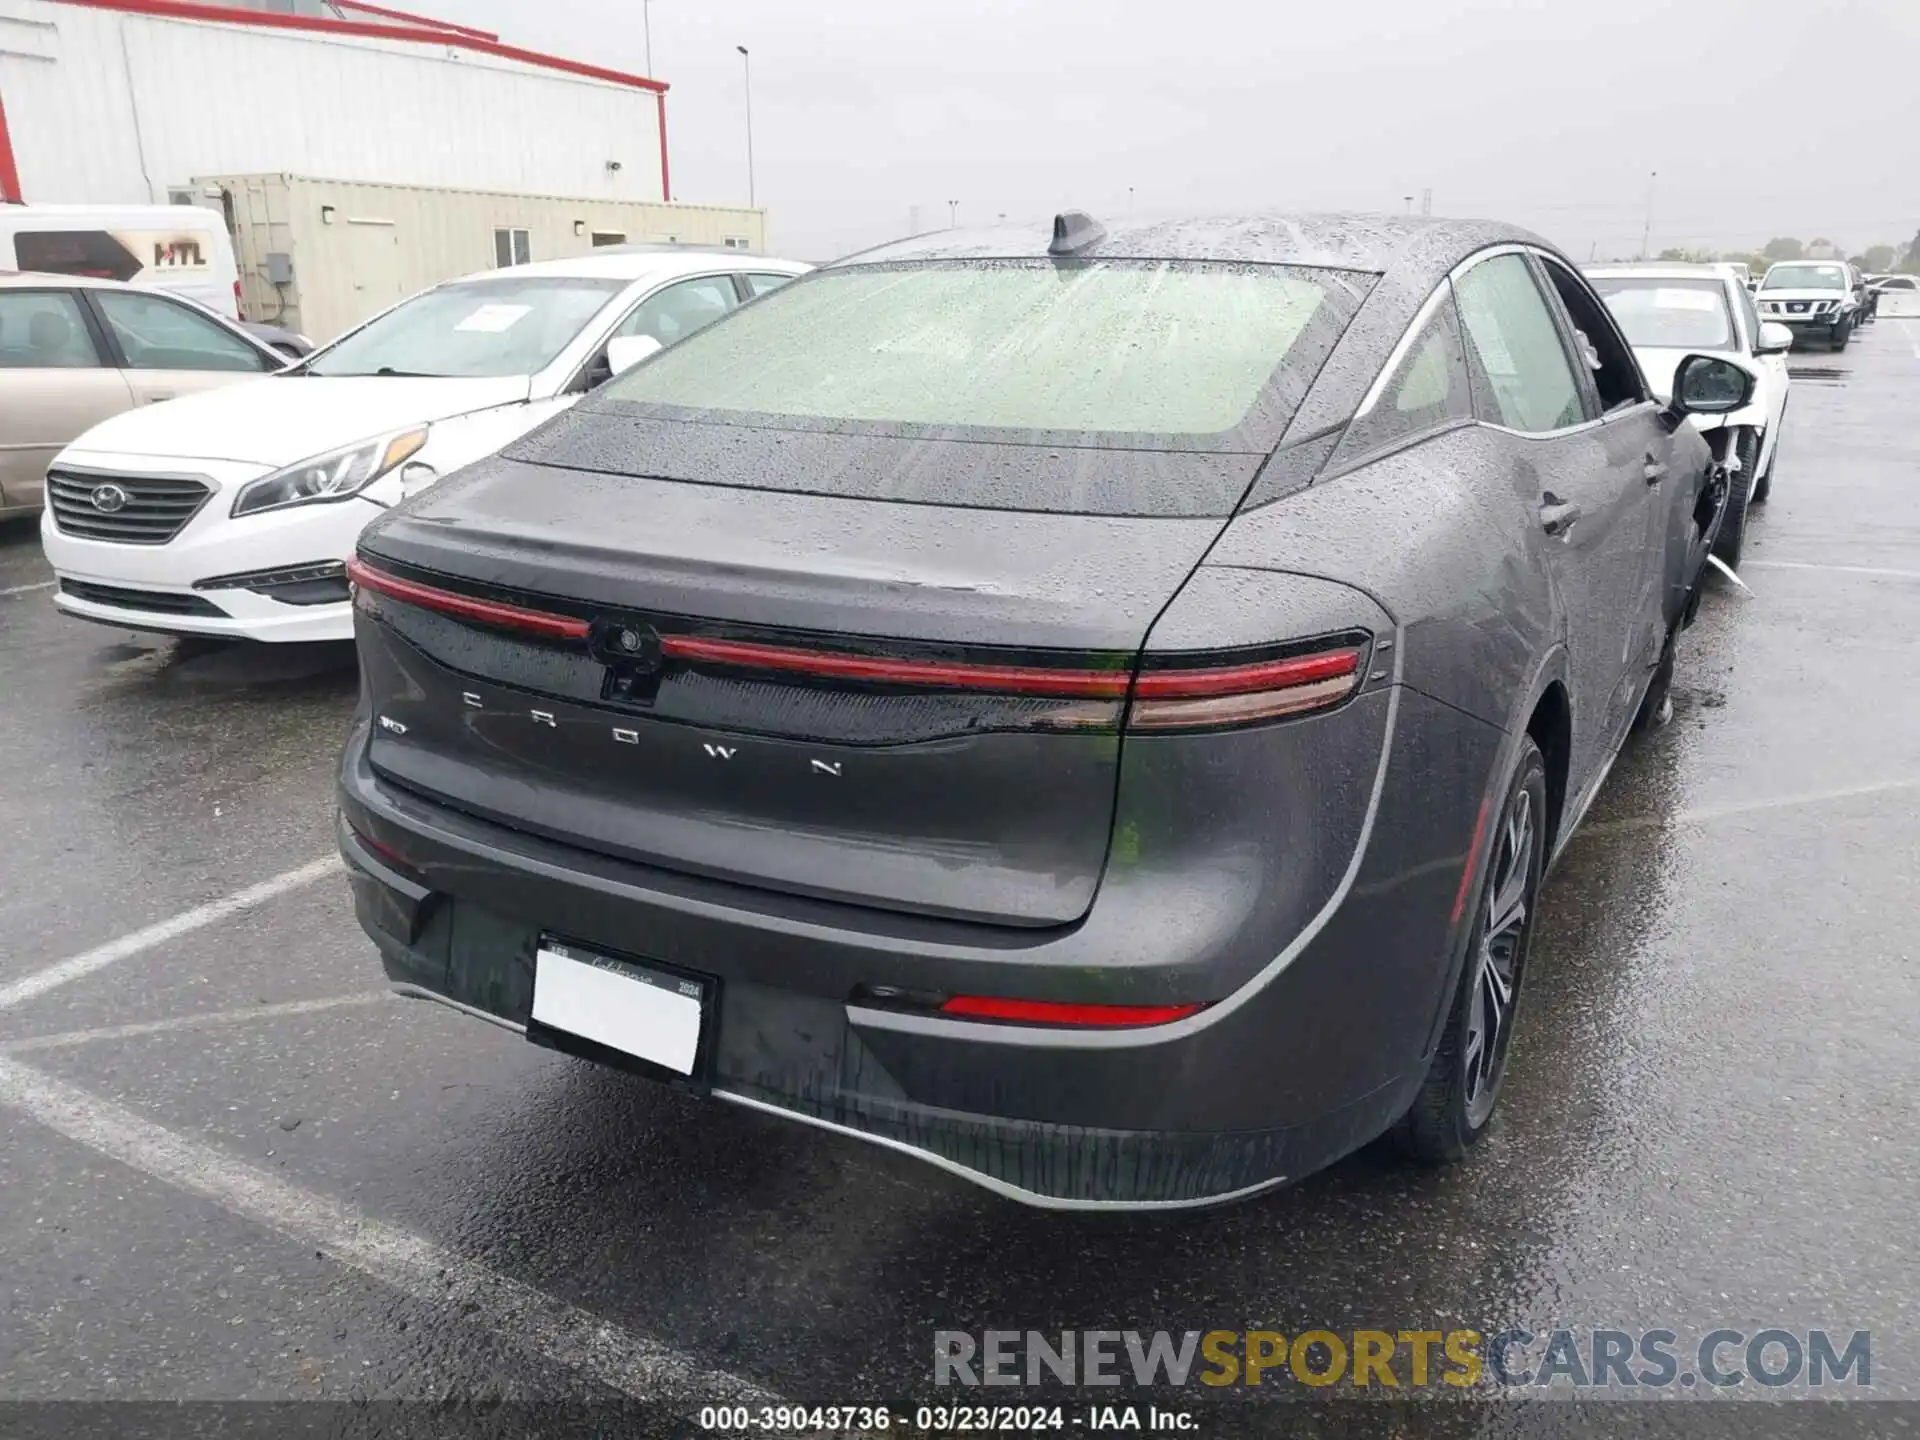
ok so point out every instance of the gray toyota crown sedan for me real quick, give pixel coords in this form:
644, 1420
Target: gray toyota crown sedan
1091, 707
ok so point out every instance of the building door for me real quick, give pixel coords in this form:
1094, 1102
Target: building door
373, 261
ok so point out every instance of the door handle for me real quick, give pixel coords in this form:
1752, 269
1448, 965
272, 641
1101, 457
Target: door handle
158, 396
1557, 517
1655, 470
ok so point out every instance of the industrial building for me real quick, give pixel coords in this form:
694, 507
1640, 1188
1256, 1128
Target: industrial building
318, 255
484, 149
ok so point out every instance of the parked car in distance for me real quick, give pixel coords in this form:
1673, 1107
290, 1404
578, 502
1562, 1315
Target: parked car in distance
290, 343
1863, 296
237, 518
1670, 311
75, 351
1897, 295
1812, 298
182, 249
1091, 709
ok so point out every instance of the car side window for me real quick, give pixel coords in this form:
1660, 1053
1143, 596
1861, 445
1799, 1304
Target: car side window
759, 285
1616, 376
158, 334
1427, 390
1517, 347
44, 330
677, 311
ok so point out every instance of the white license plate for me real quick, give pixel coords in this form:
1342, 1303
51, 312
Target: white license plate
645, 1013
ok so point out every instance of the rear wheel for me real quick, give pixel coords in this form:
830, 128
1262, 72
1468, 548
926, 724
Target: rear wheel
1457, 1098
1743, 450
1764, 484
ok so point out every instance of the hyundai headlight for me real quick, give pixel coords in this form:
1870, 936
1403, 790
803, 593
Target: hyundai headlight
334, 476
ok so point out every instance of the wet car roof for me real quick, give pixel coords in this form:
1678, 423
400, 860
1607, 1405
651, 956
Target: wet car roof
1376, 243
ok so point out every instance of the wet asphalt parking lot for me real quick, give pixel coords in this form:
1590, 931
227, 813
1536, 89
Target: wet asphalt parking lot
235, 1169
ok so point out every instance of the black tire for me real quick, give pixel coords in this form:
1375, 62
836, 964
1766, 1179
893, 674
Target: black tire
1840, 334
1654, 711
1764, 485
1457, 1099
1744, 447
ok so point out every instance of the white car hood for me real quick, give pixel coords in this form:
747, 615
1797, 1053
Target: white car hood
1764, 295
277, 420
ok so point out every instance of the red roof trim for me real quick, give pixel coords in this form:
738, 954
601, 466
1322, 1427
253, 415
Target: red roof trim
410, 18
416, 34
10, 172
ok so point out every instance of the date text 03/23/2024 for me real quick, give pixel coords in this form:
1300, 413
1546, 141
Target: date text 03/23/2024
946, 1419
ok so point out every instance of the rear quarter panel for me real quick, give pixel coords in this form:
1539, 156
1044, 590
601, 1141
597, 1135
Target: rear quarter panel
1441, 536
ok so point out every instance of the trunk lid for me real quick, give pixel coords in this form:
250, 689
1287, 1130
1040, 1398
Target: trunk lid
896, 762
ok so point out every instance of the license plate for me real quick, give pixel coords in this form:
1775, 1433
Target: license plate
652, 1015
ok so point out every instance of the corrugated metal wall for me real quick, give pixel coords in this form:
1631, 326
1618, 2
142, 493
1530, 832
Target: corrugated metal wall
383, 242
105, 107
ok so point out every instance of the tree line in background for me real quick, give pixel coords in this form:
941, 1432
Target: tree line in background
1874, 260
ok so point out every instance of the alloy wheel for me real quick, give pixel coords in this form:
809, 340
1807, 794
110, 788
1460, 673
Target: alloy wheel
1498, 960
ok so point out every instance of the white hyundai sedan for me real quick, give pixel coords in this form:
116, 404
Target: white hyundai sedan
233, 513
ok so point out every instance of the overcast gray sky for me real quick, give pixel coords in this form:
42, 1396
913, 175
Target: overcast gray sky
1761, 117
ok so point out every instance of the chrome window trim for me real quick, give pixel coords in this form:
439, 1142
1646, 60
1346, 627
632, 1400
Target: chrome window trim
1442, 291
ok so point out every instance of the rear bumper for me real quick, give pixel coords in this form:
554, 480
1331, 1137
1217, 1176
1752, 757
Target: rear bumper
1301, 1062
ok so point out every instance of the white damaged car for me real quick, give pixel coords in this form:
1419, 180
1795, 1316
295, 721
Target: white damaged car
1670, 311
232, 513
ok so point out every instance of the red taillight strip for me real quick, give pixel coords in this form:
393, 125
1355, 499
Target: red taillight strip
956, 675
1243, 679
1017, 679
1193, 683
1051, 1012
489, 612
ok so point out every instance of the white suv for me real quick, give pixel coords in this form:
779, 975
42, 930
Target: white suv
1812, 298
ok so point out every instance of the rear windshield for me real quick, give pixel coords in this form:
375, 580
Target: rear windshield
1148, 354
1669, 314
1805, 277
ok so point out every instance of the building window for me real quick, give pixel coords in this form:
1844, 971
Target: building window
736, 242
609, 237
511, 247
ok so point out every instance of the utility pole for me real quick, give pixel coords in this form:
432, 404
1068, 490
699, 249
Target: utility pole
1426, 201
953, 214
646, 25
746, 73
913, 220
1646, 235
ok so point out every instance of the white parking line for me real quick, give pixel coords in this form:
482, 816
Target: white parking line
528, 1318
1737, 808
185, 923
27, 589
204, 1021
1836, 569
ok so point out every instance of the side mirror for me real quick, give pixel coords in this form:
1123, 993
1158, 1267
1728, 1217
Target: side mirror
1775, 339
1706, 385
626, 351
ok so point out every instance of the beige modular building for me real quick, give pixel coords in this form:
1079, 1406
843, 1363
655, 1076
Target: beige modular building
319, 256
